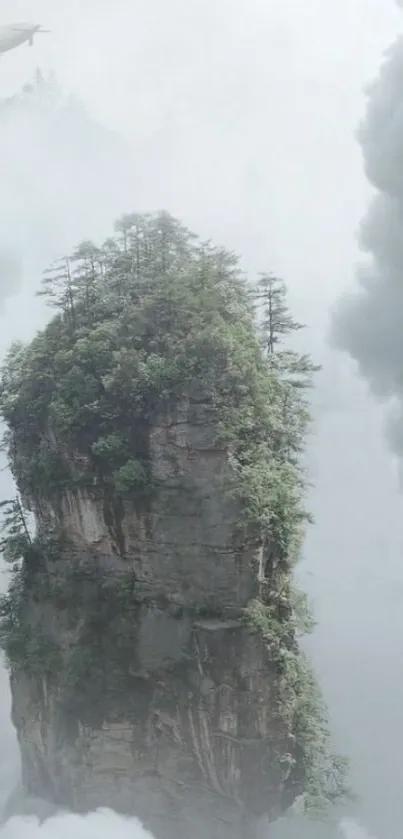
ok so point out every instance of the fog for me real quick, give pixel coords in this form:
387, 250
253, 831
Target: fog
241, 119
93, 826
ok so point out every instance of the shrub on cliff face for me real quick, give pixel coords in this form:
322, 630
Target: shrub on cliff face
150, 317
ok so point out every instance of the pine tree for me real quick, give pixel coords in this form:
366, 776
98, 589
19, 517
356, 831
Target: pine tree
293, 370
15, 540
60, 288
277, 320
87, 270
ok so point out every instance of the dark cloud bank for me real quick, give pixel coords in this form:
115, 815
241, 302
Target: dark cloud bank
368, 323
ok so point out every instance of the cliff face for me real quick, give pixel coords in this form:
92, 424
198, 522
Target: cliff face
151, 627
194, 739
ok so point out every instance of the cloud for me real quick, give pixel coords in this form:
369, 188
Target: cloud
64, 177
101, 824
350, 829
368, 322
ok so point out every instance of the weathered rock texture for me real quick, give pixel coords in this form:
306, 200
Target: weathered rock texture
178, 724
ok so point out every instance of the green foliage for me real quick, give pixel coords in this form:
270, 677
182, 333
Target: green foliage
302, 615
277, 320
321, 774
137, 322
16, 541
130, 476
151, 317
140, 321
27, 644
96, 665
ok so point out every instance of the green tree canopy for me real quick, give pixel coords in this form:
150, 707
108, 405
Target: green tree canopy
149, 316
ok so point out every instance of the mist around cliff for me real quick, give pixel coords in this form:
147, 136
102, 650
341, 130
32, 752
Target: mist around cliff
99, 825
103, 823
62, 173
324, 241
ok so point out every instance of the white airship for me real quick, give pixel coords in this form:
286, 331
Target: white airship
15, 34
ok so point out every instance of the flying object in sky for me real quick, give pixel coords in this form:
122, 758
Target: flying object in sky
15, 34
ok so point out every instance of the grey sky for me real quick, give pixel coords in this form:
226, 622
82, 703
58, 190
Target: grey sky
240, 117
251, 106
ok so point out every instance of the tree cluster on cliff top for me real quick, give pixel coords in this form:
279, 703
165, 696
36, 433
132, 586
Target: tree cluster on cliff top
152, 316
141, 321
